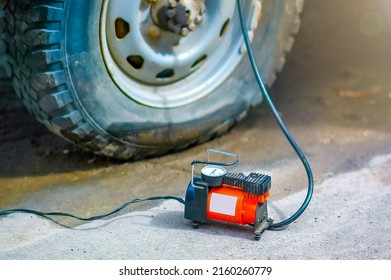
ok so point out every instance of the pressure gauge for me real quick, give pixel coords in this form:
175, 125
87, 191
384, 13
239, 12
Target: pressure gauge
213, 175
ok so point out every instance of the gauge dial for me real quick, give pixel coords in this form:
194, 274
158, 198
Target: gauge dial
213, 171
213, 175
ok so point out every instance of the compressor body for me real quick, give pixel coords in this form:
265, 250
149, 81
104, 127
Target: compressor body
228, 197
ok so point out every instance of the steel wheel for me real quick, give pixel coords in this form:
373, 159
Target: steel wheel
161, 69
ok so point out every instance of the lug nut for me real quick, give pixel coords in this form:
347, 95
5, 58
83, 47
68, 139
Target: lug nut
173, 3
198, 20
192, 27
154, 32
184, 32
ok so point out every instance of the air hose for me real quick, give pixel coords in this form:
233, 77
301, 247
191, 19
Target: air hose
277, 117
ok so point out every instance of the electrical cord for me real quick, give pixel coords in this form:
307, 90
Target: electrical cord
93, 218
277, 117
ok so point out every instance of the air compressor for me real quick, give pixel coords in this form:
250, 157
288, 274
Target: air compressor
229, 197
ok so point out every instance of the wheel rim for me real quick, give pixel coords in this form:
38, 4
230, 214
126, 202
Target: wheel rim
160, 69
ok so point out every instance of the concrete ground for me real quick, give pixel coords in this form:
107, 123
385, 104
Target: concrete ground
335, 96
348, 219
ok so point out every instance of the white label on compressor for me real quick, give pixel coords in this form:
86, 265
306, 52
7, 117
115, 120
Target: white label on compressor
223, 204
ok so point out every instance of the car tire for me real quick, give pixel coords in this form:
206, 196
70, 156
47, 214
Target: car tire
56, 63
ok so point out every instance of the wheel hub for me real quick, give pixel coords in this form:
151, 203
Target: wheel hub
178, 16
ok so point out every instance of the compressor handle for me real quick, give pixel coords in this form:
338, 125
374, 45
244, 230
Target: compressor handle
207, 162
210, 150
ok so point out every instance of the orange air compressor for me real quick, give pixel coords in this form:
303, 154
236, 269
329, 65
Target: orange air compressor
230, 197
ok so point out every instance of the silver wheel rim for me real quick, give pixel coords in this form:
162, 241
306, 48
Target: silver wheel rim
172, 71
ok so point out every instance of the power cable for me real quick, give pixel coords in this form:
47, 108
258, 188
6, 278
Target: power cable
47, 215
